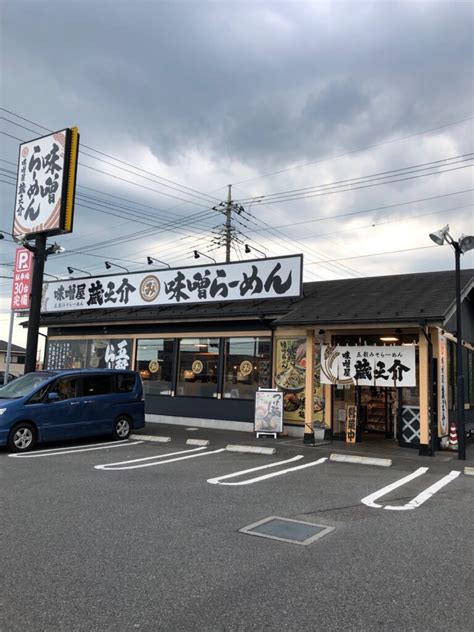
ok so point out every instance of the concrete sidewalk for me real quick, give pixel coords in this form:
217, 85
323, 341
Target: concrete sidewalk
369, 447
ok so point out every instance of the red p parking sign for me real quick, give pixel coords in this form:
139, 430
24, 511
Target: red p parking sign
22, 277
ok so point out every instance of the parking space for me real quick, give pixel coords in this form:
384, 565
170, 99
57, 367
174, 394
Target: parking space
394, 490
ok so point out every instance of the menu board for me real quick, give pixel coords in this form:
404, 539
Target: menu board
268, 411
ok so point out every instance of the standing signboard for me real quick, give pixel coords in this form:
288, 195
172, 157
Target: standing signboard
22, 277
46, 183
268, 412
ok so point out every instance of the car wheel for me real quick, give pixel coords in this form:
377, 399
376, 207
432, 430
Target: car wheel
122, 428
22, 437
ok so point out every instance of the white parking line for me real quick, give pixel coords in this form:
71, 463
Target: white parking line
415, 502
111, 466
426, 494
75, 449
218, 479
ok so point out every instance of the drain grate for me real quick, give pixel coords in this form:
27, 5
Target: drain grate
287, 530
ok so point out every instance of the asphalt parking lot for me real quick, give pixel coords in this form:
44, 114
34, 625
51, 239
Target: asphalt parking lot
145, 535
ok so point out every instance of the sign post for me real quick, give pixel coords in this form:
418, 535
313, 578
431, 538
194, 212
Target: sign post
44, 206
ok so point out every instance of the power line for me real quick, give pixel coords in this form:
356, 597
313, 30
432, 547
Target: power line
360, 179
182, 188
355, 188
354, 151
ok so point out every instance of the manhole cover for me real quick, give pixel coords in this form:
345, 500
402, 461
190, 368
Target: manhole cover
287, 530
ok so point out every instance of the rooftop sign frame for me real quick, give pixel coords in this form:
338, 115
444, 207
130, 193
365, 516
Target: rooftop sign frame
270, 278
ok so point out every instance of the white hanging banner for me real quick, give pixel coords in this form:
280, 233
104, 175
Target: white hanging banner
369, 365
443, 385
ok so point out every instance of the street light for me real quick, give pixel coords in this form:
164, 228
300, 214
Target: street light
462, 245
108, 265
198, 254
71, 270
249, 249
151, 259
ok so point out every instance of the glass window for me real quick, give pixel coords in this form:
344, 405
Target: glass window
98, 385
66, 387
125, 383
155, 365
247, 366
198, 367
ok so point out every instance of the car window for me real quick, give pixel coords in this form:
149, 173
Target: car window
40, 395
98, 385
125, 383
66, 387
23, 385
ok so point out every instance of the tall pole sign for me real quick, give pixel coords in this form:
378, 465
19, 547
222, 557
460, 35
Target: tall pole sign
44, 206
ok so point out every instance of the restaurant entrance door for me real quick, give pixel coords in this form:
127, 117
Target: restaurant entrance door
377, 410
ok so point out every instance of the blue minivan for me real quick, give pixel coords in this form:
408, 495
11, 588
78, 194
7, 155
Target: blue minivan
57, 405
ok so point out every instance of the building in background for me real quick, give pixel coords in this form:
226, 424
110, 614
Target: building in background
17, 359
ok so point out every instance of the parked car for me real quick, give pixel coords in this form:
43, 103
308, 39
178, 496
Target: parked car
9, 378
57, 405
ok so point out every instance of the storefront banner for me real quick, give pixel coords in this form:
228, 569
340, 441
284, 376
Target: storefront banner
263, 278
290, 371
99, 353
443, 385
368, 365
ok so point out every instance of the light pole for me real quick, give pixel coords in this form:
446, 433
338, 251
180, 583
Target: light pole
462, 245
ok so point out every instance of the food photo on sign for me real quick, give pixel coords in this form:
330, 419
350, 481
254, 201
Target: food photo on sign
268, 411
290, 377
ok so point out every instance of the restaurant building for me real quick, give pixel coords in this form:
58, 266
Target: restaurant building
381, 349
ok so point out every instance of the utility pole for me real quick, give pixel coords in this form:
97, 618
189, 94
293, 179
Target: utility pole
228, 224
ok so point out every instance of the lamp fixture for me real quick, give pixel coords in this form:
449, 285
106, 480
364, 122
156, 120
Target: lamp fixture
462, 245
249, 249
389, 339
151, 259
198, 254
109, 264
71, 270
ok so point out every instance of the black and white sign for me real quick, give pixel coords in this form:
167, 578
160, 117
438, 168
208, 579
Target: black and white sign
368, 365
262, 278
45, 184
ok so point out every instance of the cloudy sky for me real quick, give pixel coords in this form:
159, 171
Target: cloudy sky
345, 129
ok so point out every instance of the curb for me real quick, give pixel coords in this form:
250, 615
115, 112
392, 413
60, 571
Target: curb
468, 471
363, 460
198, 442
136, 437
251, 449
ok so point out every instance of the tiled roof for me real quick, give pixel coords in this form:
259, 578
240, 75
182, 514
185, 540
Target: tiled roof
15, 348
426, 296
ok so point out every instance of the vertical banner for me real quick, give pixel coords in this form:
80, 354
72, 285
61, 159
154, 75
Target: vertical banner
442, 385
290, 377
22, 277
351, 424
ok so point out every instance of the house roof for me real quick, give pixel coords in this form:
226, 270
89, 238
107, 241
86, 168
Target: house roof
14, 348
428, 296
425, 296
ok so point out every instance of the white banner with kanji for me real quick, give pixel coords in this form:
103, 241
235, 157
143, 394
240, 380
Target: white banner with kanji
370, 365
